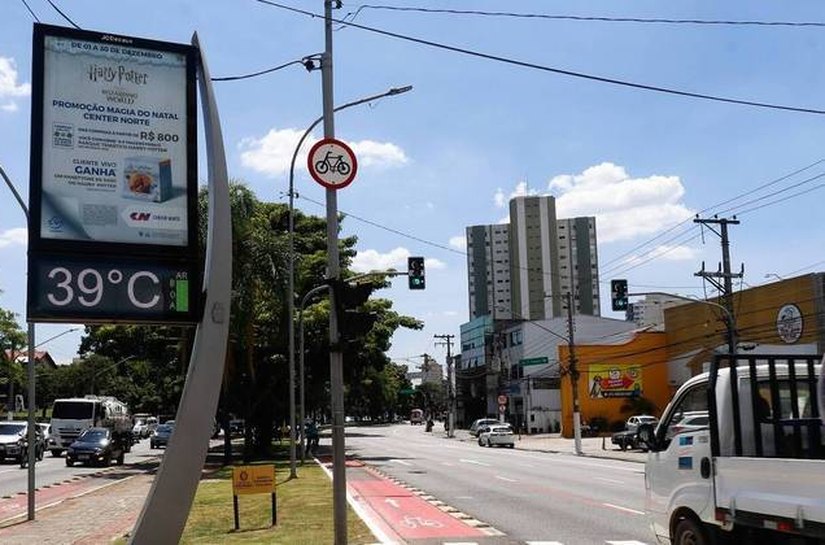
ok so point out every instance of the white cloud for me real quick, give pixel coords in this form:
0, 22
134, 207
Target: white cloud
432, 263
9, 107
459, 242
373, 260
625, 207
669, 253
272, 153
383, 154
522, 189
8, 80
450, 313
17, 235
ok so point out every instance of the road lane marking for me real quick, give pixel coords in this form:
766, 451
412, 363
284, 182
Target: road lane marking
393, 502
463, 497
402, 462
499, 477
448, 464
544, 543
466, 461
610, 480
625, 543
626, 509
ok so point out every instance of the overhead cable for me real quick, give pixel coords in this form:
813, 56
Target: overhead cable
559, 71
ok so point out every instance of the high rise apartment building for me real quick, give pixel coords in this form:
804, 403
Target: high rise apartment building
525, 269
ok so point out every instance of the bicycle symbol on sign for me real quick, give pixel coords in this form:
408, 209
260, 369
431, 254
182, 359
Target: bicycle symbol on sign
419, 522
332, 163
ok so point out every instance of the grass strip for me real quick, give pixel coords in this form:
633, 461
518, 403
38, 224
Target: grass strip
304, 507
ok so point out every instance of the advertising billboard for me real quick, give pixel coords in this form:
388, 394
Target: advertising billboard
113, 184
614, 380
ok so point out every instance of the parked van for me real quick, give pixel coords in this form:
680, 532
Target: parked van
416, 417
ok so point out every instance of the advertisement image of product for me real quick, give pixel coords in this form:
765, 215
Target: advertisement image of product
147, 179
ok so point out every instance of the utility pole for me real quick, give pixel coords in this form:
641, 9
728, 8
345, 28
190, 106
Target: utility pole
574, 377
336, 364
726, 286
447, 340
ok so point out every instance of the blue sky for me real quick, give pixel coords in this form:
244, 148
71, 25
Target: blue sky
473, 132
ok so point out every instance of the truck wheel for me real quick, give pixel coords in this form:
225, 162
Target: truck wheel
69, 463
120, 458
689, 532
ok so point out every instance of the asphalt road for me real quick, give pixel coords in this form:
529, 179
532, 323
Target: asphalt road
52, 470
530, 496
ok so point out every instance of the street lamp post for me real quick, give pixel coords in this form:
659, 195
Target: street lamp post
291, 276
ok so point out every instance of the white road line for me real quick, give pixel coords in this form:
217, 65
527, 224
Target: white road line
499, 477
544, 543
466, 461
463, 497
625, 543
610, 480
460, 543
448, 464
402, 462
626, 509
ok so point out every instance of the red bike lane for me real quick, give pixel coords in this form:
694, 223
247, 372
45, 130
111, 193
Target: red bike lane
396, 514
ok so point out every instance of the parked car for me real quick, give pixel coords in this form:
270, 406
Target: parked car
144, 426
13, 443
481, 422
633, 422
236, 427
498, 435
161, 435
690, 421
97, 446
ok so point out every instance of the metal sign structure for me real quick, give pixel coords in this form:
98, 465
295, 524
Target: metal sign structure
113, 180
332, 163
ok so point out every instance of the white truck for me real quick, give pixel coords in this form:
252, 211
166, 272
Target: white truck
756, 473
71, 416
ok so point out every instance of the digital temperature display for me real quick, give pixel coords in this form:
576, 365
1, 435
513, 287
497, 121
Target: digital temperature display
86, 291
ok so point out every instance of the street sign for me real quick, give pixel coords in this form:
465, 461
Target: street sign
332, 163
534, 361
253, 479
502, 400
502, 409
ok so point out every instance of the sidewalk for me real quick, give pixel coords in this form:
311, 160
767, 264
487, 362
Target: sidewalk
595, 447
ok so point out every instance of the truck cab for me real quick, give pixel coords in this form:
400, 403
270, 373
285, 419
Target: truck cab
738, 455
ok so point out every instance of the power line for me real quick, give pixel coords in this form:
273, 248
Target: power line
559, 71
708, 209
30, 10
263, 72
590, 18
57, 9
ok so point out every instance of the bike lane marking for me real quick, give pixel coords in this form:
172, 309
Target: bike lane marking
409, 515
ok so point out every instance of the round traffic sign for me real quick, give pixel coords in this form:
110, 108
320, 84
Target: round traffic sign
502, 409
332, 163
502, 400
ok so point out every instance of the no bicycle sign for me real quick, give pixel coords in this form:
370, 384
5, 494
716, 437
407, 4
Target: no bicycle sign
332, 163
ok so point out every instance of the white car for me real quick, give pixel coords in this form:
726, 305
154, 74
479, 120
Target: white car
496, 435
634, 422
477, 425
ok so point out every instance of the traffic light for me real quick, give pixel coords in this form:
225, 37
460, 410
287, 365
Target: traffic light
353, 323
618, 294
415, 272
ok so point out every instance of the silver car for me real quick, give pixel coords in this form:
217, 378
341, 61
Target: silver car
498, 435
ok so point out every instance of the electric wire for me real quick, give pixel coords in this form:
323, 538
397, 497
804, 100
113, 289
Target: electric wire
588, 18
57, 9
558, 71
30, 10
259, 73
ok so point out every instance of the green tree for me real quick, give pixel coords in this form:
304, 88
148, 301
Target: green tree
12, 342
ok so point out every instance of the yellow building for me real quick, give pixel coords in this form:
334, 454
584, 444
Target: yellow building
611, 375
785, 317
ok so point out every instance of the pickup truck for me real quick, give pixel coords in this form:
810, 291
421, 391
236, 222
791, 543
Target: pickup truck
756, 473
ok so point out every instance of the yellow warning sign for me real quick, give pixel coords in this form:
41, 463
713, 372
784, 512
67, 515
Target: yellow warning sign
253, 479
